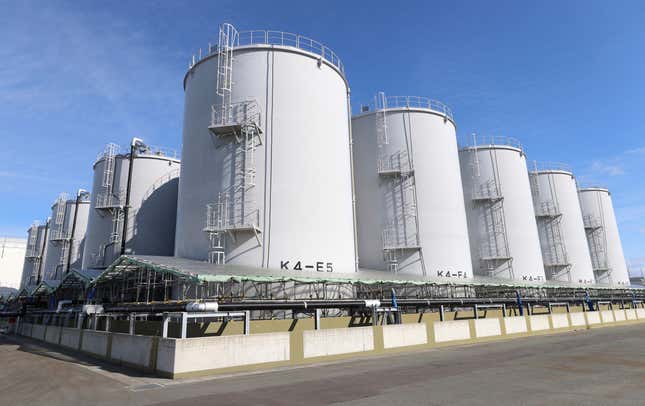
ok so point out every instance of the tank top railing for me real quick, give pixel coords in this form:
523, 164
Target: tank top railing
418, 102
488, 140
550, 166
266, 37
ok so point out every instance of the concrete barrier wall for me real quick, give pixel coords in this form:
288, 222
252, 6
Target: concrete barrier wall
25, 329
619, 315
630, 314
593, 318
515, 325
133, 350
451, 330
320, 343
53, 334
607, 316
38, 332
180, 356
578, 319
539, 322
560, 320
487, 327
95, 342
70, 337
403, 335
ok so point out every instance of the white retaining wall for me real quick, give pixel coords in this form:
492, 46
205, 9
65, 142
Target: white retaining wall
70, 337
619, 315
199, 354
515, 325
131, 349
539, 322
630, 314
319, 343
487, 327
403, 335
559, 320
53, 334
607, 316
578, 319
593, 317
38, 332
451, 330
95, 342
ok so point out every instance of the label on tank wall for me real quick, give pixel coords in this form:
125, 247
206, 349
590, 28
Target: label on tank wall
318, 266
531, 278
452, 274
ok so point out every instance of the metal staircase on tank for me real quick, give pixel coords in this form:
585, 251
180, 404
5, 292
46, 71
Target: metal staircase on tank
237, 125
32, 250
494, 251
400, 234
549, 222
110, 202
597, 241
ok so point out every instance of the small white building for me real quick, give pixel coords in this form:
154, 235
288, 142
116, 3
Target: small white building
12, 256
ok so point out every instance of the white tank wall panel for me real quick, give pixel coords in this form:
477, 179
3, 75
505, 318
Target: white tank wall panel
152, 212
559, 189
506, 165
596, 204
60, 239
303, 189
429, 146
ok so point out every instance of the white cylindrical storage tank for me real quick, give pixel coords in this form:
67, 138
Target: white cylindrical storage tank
559, 219
410, 205
603, 237
504, 238
35, 254
67, 235
266, 177
139, 192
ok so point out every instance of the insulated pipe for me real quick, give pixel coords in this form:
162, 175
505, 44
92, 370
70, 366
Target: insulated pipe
126, 207
42, 250
202, 306
351, 167
79, 194
319, 304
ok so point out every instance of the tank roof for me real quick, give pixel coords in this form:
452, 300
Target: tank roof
408, 103
270, 38
540, 168
493, 142
593, 189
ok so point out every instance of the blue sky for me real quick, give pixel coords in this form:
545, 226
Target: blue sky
567, 78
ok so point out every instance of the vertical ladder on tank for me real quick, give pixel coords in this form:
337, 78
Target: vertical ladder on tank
33, 238
228, 39
549, 221
487, 195
109, 155
62, 260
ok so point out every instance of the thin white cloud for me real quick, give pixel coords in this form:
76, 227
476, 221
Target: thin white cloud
605, 168
636, 151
